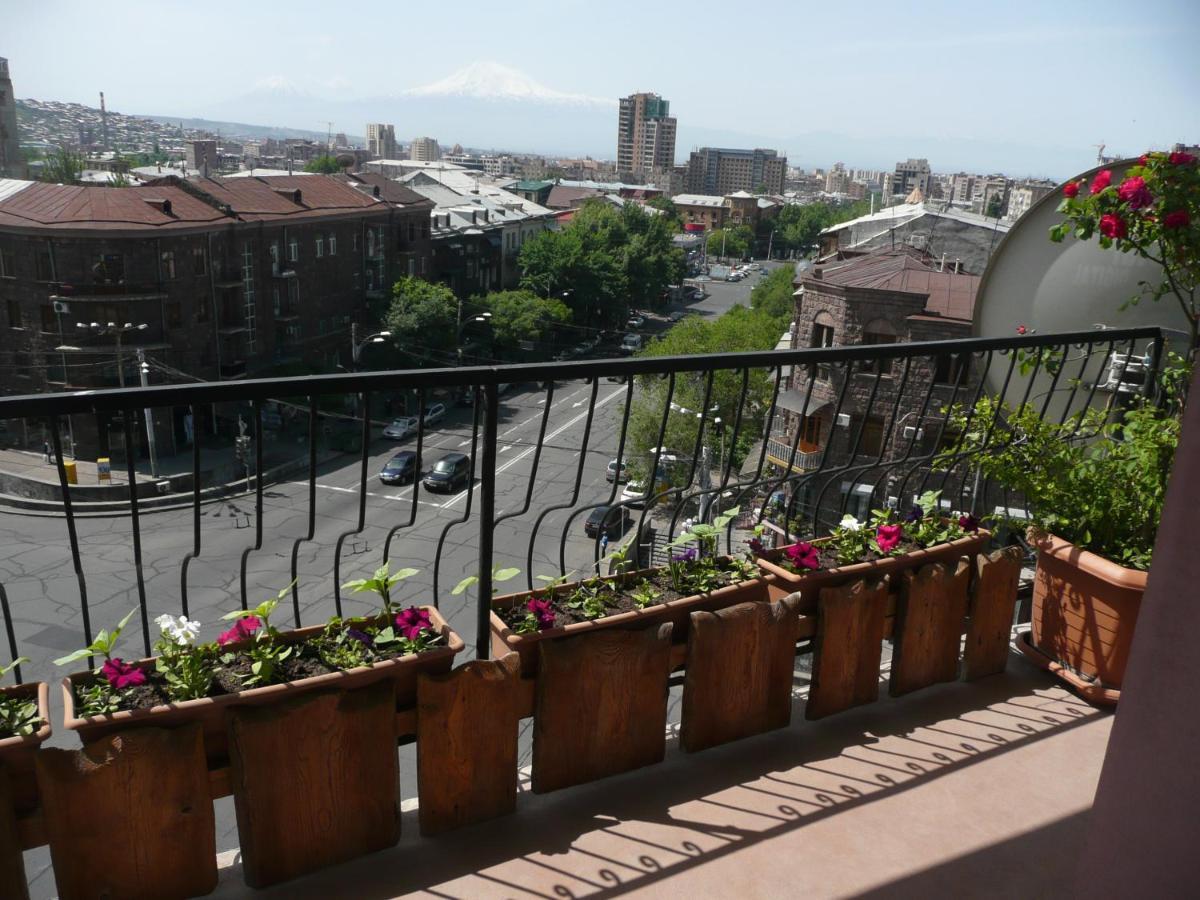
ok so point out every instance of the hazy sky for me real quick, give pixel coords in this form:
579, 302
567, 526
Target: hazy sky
1063, 73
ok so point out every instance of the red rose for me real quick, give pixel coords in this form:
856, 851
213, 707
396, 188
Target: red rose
1181, 159
1070, 189
1134, 192
1101, 181
1021, 329
1112, 225
1178, 218
1143, 159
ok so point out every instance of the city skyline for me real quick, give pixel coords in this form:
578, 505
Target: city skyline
1030, 104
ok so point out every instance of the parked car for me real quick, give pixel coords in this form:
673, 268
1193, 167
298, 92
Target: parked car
450, 473
634, 494
676, 315
401, 468
612, 520
401, 428
434, 413
616, 471
631, 342
635, 322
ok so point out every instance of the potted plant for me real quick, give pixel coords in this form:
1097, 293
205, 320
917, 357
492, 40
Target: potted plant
696, 578
24, 726
888, 543
253, 663
1094, 492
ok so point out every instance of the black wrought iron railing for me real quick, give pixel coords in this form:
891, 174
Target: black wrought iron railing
698, 435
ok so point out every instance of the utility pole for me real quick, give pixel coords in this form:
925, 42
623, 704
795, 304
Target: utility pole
146, 412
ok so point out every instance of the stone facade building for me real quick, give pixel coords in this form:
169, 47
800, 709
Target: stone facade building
889, 412
719, 170
12, 162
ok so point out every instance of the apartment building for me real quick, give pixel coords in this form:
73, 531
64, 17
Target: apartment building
381, 140
424, 149
1024, 195
12, 161
720, 170
910, 175
645, 136
701, 211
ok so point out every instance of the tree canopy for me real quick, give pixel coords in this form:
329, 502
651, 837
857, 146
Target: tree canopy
422, 316
323, 165
735, 242
798, 226
773, 295
521, 316
63, 167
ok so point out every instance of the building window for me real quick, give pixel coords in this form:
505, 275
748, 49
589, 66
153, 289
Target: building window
412, 230
199, 261
354, 244
293, 250
810, 434
49, 324
201, 308
871, 443
275, 300
879, 331
412, 267
425, 229
45, 266
422, 265
951, 369
8, 264
320, 246
174, 310
168, 265
14, 314
274, 259
332, 244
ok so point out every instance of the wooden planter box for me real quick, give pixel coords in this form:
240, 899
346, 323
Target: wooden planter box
809, 584
210, 711
1085, 609
17, 753
505, 640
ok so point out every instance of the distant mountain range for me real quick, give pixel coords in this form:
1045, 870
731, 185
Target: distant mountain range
491, 106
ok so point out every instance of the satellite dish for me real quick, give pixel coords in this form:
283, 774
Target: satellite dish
1073, 286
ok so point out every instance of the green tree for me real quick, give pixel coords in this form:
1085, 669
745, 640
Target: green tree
63, 167
773, 295
521, 316
668, 209
995, 206
740, 329
323, 165
422, 316
735, 242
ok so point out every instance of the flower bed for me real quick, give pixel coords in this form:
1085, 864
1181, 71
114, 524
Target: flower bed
251, 664
870, 550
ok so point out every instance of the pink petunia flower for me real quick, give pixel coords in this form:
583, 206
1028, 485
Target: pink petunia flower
887, 537
242, 629
412, 622
121, 674
542, 611
803, 556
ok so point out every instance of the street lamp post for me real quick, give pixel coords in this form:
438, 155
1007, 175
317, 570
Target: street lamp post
144, 371
356, 346
118, 331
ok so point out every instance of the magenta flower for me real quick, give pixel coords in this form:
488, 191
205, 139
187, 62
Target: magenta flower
121, 674
1181, 159
412, 622
1134, 192
1101, 181
1021, 329
803, 556
1112, 225
242, 629
968, 522
1070, 189
1178, 218
756, 546
542, 611
887, 537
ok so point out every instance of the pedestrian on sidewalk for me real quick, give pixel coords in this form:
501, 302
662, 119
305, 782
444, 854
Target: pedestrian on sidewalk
46, 450
604, 544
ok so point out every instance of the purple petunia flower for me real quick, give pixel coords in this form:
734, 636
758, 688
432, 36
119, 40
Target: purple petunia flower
412, 622
121, 674
968, 522
361, 636
914, 515
756, 546
688, 555
542, 611
803, 556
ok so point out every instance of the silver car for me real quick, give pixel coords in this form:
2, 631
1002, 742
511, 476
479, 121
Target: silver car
401, 428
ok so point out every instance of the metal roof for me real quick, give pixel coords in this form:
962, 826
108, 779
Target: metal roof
698, 200
61, 206
948, 294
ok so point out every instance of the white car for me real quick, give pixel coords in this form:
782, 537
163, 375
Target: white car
434, 413
401, 428
631, 342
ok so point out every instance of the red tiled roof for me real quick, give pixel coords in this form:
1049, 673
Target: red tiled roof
114, 209
390, 190
271, 197
948, 294
563, 197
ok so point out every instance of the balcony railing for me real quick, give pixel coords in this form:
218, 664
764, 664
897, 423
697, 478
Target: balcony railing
536, 466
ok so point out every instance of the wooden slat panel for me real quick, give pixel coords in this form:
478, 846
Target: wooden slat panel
467, 743
993, 597
929, 626
12, 864
848, 647
129, 815
315, 780
740, 666
601, 706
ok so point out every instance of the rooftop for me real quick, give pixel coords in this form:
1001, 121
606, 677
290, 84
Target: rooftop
949, 294
698, 200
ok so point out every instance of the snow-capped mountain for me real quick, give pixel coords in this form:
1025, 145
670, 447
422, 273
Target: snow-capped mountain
494, 81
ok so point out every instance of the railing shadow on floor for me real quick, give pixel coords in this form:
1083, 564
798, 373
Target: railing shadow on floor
635, 830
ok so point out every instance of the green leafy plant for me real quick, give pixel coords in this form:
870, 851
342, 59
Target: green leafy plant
101, 696
266, 651
18, 715
103, 644
381, 583
498, 575
186, 667
592, 598
645, 594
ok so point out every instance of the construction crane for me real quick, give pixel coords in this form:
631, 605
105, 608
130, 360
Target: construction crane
1099, 153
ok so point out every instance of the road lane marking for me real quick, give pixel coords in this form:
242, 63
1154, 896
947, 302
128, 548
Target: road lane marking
347, 490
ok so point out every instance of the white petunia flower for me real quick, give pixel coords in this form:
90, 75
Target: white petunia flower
849, 523
182, 630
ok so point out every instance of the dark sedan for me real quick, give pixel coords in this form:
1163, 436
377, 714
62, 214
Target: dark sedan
613, 520
450, 473
401, 468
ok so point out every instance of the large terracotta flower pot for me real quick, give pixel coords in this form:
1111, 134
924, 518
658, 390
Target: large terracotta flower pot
1085, 608
17, 752
809, 584
505, 640
210, 711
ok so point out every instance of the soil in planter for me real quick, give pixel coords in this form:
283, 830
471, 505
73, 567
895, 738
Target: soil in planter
303, 662
618, 598
829, 559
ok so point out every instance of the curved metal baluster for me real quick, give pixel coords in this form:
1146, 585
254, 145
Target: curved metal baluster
416, 485
537, 455
187, 559
365, 399
696, 450
258, 498
437, 557
312, 505
135, 525
72, 535
651, 479
12, 638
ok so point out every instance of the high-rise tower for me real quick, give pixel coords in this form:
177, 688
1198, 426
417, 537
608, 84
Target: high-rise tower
12, 162
645, 136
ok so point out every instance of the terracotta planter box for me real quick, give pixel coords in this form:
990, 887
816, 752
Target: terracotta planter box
505, 640
210, 711
809, 585
1085, 608
17, 752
